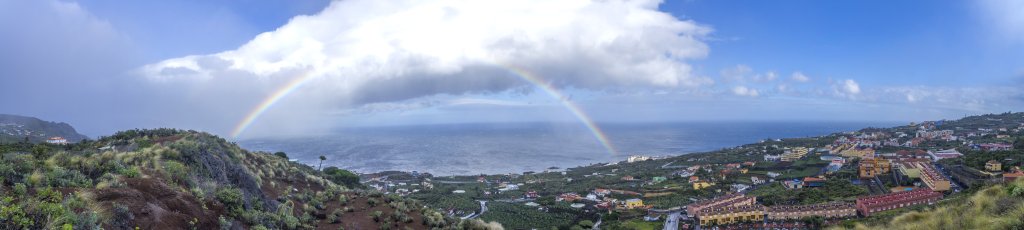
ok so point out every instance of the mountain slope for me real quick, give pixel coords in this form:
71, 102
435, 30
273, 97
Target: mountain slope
996, 207
15, 128
173, 179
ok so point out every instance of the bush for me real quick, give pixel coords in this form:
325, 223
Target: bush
232, 199
376, 215
335, 216
20, 189
341, 176
281, 155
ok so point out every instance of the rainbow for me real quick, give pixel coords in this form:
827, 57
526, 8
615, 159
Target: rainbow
304, 77
297, 81
572, 107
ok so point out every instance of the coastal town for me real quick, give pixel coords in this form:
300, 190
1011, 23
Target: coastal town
792, 183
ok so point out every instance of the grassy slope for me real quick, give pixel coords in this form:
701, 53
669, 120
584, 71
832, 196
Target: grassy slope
996, 207
175, 179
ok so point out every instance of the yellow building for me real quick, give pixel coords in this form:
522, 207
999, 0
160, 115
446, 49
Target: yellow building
634, 203
859, 153
700, 185
993, 166
871, 167
794, 154
731, 215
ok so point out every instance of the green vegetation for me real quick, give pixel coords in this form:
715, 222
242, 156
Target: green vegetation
341, 176
518, 216
833, 190
199, 181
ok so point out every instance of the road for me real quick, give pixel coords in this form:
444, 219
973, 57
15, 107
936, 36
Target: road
474, 215
672, 221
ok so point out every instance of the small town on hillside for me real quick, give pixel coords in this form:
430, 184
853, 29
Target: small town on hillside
796, 183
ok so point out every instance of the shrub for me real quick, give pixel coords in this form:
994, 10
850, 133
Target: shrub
281, 155
376, 215
335, 216
232, 200
20, 189
122, 217
224, 223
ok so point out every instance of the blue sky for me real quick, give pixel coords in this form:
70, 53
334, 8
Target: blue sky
207, 64
878, 42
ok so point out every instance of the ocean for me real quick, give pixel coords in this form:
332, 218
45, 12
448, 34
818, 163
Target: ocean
466, 149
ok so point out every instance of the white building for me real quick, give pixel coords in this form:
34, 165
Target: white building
635, 158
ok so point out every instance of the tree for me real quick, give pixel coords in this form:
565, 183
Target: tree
1019, 144
322, 159
281, 154
341, 176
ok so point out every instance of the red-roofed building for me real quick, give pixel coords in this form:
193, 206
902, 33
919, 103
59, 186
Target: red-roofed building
731, 200
1011, 176
813, 182
877, 203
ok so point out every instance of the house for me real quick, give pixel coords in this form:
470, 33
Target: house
730, 215
872, 204
730, 200
796, 212
694, 179
773, 174
700, 185
812, 182
57, 140
871, 167
732, 165
459, 191
569, 197
994, 147
749, 163
634, 203
739, 187
794, 154
1011, 176
944, 154
684, 173
993, 166
602, 192
772, 158
756, 180
793, 184
531, 195
658, 179
636, 158
628, 178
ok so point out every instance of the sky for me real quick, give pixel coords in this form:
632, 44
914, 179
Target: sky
246, 69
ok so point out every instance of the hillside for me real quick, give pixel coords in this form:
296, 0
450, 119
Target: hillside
173, 179
14, 128
996, 207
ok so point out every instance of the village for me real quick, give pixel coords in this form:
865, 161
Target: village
777, 183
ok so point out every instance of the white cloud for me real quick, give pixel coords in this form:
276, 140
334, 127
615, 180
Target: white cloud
744, 91
847, 88
765, 77
368, 51
799, 77
735, 74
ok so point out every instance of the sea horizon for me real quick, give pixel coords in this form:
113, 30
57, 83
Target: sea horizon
498, 148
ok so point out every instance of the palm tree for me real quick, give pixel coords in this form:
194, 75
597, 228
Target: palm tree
322, 159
